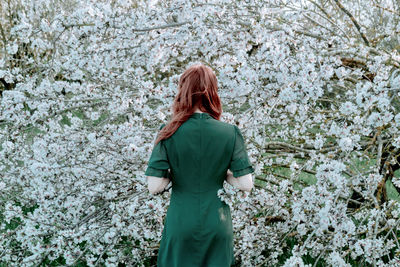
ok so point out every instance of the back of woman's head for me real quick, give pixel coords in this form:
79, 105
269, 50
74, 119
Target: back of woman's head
197, 88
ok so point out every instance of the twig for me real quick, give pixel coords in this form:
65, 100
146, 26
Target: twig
379, 156
387, 9
108, 246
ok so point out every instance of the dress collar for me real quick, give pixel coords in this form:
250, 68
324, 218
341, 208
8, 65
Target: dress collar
200, 115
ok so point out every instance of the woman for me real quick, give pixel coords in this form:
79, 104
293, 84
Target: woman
197, 152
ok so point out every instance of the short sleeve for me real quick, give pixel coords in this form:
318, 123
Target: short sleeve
240, 164
158, 164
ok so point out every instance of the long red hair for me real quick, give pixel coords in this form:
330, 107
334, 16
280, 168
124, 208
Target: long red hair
198, 87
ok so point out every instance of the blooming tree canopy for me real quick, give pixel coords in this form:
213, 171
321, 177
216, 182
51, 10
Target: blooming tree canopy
314, 86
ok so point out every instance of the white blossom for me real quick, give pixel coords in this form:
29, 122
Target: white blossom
84, 88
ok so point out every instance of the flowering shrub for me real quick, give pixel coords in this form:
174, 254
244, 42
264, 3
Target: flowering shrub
313, 85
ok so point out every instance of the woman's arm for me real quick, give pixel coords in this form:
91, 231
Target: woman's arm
244, 182
156, 184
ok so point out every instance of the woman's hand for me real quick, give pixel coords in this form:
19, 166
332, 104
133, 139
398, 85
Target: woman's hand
230, 179
244, 182
229, 175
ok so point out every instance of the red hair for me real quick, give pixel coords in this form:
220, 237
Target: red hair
197, 87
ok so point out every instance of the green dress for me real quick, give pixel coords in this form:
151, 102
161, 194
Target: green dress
198, 226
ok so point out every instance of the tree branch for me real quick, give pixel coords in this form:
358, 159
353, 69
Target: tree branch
354, 21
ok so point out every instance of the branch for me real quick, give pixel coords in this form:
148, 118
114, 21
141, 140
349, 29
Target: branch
326, 17
135, 30
4, 38
353, 20
161, 27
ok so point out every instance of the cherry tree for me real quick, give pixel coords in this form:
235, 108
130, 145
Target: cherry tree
314, 86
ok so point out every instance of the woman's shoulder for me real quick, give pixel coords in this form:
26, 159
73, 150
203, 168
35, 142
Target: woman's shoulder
224, 126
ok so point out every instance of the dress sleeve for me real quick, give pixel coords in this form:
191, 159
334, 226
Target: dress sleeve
158, 164
240, 164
